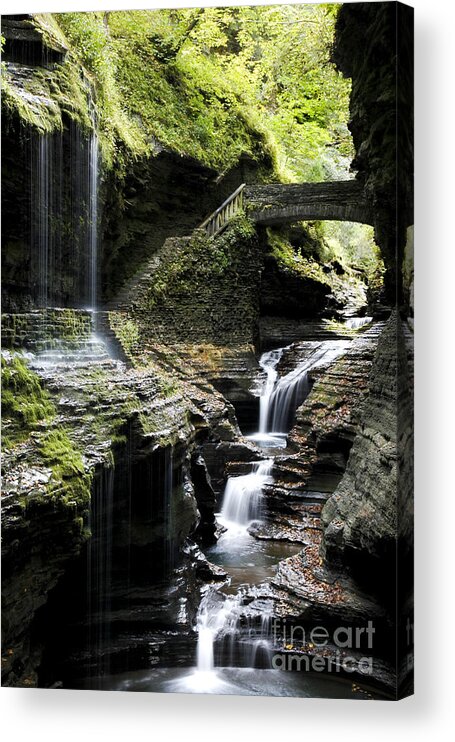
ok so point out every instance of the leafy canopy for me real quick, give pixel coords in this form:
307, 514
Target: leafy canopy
216, 82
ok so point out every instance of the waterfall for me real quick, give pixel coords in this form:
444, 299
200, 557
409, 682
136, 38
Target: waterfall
241, 638
99, 567
288, 395
216, 613
242, 496
64, 217
268, 362
209, 621
225, 620
92, 189
43, 218
280, 397
355, 323
46, 202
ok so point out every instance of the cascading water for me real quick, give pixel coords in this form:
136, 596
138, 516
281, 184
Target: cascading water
268, 362
64, 217
280, 397
224, 620
99, 568
241, 639
92, 188
355, 323
242, 495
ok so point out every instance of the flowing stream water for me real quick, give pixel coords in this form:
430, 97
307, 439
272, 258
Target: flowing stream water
221, 618
235, 641
355, 323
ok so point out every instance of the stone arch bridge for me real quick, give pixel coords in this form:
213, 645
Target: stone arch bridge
278, 203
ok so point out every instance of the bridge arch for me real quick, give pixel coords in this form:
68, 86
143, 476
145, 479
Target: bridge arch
276, 204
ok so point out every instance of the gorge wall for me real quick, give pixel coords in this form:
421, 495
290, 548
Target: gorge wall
381, 106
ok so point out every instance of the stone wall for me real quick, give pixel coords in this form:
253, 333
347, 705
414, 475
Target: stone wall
43, 329
201, 290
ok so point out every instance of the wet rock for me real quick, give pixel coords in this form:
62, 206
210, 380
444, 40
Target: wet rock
360, 518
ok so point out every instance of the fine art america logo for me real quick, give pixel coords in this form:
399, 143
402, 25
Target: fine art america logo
345, 648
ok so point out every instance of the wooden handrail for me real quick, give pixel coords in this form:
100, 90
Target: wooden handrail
229, 208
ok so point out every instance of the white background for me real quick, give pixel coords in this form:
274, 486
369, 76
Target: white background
76, 715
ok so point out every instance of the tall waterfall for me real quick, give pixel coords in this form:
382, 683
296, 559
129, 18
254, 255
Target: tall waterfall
99, 567
46, 214
64, 218
93, 169
43, 216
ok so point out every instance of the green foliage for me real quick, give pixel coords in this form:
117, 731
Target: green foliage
290, 259
200, 260
24, 402
351, 245
91, 47
211, 83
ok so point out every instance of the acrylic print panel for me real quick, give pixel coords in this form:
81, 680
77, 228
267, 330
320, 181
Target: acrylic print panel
207, 350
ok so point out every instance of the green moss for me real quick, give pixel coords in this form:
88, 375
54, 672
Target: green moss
24, 401
126, 332
289, 259
169, 387
199, 260
69, 481
58, 452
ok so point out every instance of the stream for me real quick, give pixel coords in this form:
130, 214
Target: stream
234, 652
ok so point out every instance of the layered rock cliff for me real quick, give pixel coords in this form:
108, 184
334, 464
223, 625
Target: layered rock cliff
374, 47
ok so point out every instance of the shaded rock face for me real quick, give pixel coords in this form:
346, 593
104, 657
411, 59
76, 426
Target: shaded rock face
286, 295
136, 623
24, 44
360, 518
205, 498
110, 553
381, 122
130, 579
38, 543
